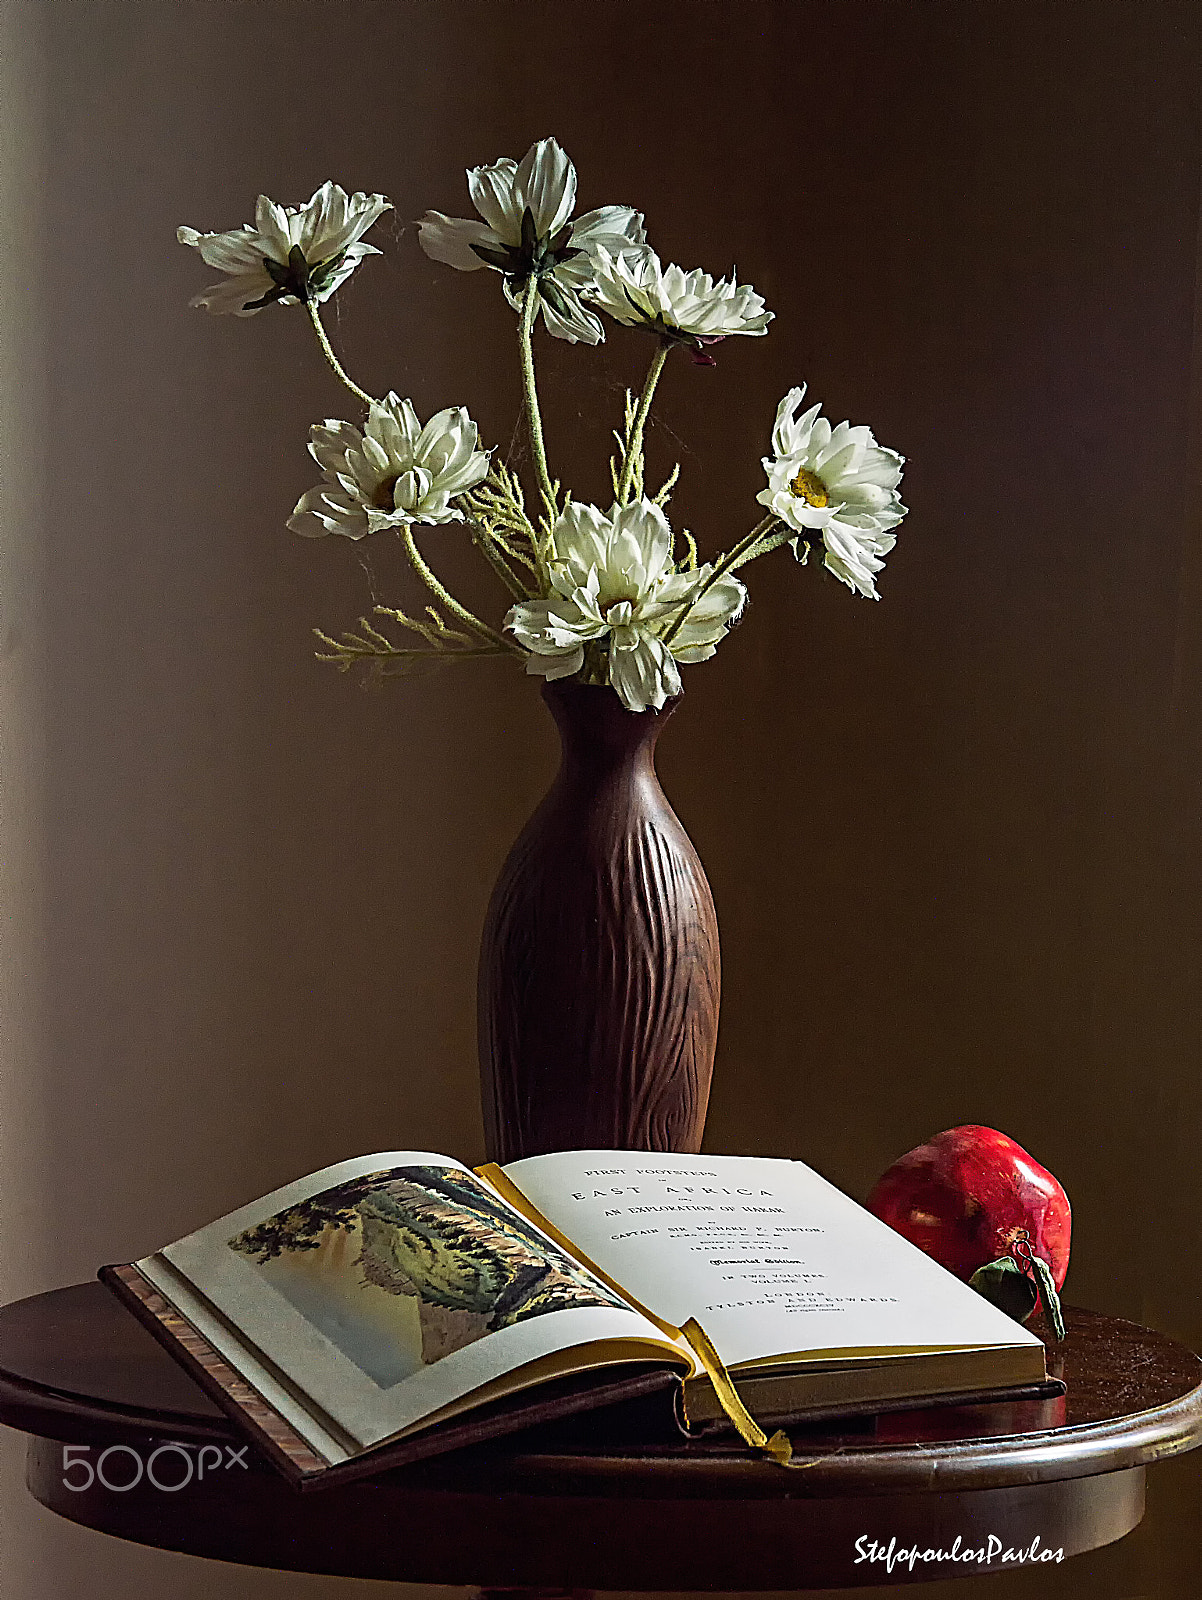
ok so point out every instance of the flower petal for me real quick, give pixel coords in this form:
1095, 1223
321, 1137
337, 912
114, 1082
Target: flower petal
329, 442
645, 676
308, 224
316, 515
708, 619
360, 211
553, 666
238, 251
546, 183
616, 228
492, 192
570, 321
231, 297
645, 526
411, 489
450, 240
271, 222
785, 428
635, 286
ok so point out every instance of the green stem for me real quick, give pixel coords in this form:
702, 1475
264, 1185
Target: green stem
492, 554
722, 566
634, 445
448, 599
328, 350
770, 542
512, 553
530, 393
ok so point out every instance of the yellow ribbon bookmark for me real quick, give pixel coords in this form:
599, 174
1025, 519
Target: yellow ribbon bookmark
778, 1446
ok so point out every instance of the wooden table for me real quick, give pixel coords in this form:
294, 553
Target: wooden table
123, 1441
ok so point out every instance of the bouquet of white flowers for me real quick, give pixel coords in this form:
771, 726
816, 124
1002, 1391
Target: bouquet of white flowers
606, 597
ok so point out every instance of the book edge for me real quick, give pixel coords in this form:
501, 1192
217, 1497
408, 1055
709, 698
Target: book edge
271, 1432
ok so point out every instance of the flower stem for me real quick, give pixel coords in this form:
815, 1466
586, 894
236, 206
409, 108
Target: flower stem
634, 447
328, 350
453, 606
530, 392
722, 566
770, 542
490, 550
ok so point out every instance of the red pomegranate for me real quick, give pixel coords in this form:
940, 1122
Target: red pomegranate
966, 1195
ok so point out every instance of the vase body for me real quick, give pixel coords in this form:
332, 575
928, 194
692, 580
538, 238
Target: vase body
599, 968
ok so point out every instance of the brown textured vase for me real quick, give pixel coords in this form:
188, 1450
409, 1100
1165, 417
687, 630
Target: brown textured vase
599, 968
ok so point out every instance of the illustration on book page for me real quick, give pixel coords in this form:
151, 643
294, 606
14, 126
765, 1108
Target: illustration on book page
402, 1267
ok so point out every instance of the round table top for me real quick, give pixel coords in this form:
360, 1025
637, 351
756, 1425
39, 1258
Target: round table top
568, 1504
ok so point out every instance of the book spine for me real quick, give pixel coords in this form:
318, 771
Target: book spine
245, 1406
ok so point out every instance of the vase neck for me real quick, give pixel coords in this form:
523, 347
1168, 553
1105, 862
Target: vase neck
597, 731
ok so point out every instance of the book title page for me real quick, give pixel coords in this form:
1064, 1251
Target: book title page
768, 1256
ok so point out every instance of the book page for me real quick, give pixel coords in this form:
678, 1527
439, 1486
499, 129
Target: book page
388, 1287
767, 1255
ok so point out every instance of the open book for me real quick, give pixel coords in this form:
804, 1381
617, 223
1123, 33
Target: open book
401, 1304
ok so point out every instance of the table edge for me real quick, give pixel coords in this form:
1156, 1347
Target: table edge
1083, 1450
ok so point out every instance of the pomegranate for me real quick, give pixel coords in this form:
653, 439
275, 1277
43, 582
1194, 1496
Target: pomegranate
972, 1197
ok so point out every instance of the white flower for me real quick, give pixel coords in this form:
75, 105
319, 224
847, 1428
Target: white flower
558, 251
682, 307
837, 482
289, 254
394, 472
613, 580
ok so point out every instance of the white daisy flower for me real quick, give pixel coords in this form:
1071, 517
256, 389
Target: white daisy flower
682, 307
392, 473
613, 580
289, 254
527, 229
837, 483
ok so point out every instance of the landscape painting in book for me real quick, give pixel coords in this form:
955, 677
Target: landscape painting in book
402, 1267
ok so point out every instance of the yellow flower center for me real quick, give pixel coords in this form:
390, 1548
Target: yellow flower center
808, 486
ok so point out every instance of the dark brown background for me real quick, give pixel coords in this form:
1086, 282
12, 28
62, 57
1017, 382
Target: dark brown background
953, 838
